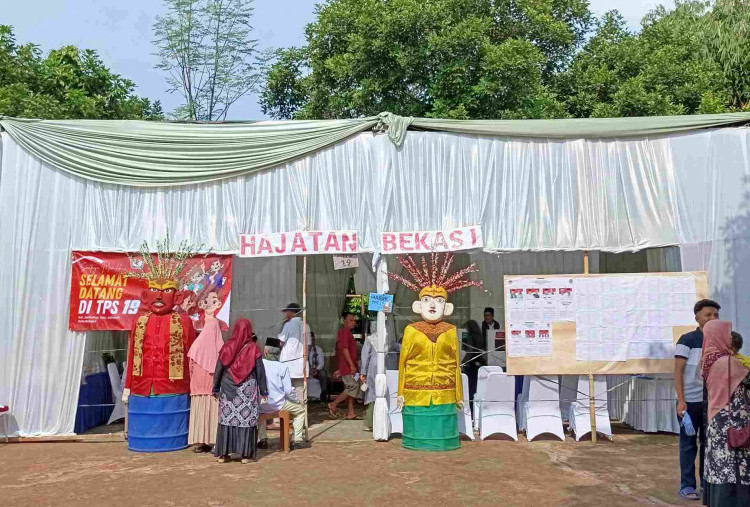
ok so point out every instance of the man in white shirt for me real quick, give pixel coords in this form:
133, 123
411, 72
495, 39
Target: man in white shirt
281, 395
292, 349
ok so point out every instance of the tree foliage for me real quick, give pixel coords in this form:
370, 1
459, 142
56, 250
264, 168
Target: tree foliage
663, 70
68, 83
448, 58
207, 50
512, 59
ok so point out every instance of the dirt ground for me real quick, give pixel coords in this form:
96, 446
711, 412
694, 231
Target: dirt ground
633, 469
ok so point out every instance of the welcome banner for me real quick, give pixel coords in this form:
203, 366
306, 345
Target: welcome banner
102, 298
298, 243
448, 240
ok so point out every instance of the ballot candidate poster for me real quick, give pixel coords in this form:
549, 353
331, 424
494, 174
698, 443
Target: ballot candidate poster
103, 298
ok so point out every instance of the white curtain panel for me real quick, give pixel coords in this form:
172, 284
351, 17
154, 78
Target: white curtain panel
611, 195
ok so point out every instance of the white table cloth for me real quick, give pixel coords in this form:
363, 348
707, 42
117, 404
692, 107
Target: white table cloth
645, 403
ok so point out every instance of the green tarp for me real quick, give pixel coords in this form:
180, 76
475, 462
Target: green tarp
151, 154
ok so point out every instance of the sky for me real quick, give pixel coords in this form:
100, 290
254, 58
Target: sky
121, 33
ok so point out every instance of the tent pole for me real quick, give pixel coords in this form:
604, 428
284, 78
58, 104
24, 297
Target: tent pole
304, 338
592, 406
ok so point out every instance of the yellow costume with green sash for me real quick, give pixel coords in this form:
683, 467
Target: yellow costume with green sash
429, 370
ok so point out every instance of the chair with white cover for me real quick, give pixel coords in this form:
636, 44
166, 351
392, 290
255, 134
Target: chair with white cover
4, 414
314, 390
464, 420
394, 413
482, 375
580, 411
543, 409
497, 409
114, 379
381, 422
568, 393
522, 404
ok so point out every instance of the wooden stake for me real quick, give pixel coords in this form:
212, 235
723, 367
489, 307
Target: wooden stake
304, 337
592, 405
592, 408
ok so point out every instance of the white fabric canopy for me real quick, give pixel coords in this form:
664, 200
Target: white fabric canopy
527, 194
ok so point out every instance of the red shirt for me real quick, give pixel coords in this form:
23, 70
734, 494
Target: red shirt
155, 367
345, 341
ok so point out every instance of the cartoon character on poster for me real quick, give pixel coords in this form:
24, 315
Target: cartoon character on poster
209, 301
157, 381
195, 279
215, 274
429, 372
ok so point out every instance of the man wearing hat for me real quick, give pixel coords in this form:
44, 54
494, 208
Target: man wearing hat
292, 349
281, 395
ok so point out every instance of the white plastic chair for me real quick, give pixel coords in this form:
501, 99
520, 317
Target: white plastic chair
394, 413
543, 409
464, 420
580, 412
482, 375
496, 411
114, 379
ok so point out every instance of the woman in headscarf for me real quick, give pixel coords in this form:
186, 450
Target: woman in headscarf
727, 470
239, 382
204, 408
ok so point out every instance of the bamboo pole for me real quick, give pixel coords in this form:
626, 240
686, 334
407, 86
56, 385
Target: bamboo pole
304, 338
592, 405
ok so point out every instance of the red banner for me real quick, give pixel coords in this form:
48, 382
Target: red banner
103, 299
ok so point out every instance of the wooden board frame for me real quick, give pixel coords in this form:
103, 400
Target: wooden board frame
563, 361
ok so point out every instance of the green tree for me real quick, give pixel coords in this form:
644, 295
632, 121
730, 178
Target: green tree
207, 50
692, 59
68, 83
727, 40
446, 58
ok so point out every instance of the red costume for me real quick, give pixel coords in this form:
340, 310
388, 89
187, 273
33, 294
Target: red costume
154, 377
159, 343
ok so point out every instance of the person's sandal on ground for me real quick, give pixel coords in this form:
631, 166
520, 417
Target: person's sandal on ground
688, 493
201, 448
297, 446
223, 459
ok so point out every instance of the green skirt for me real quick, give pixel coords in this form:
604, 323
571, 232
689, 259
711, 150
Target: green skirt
433, 428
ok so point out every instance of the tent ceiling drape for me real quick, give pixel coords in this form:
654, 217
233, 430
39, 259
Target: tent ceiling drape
152, 154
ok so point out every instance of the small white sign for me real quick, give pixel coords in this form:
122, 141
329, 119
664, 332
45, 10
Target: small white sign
345, 261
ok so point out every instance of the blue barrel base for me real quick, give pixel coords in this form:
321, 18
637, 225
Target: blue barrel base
158, 423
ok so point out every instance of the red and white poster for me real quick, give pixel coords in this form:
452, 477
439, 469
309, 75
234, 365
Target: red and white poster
298, 243
449, 240
102, 298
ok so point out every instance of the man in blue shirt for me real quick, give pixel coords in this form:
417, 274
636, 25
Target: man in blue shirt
281, 395
689, 387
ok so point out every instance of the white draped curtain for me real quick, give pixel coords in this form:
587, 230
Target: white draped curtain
611, 195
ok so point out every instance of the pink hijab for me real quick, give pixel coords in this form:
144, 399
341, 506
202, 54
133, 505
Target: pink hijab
721, 372
205, 349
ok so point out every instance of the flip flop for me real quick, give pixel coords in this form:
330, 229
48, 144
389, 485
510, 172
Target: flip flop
331, 411
355, 418
688, 493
